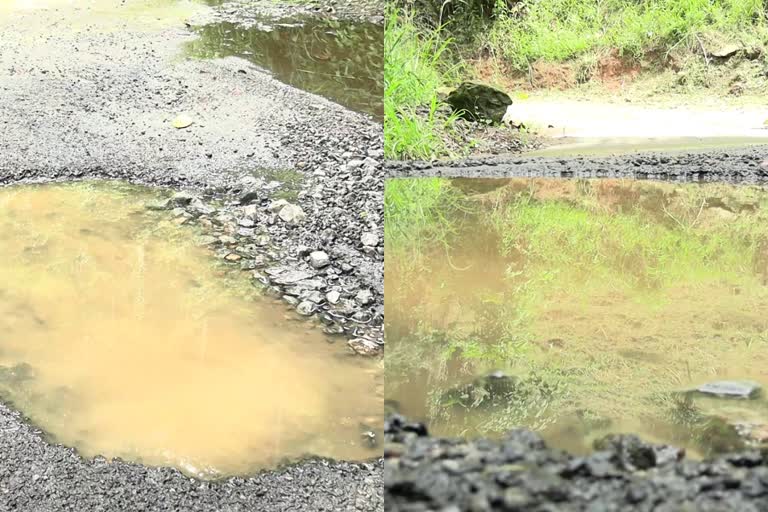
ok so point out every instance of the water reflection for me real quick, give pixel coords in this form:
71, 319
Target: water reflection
580, 308
342, 61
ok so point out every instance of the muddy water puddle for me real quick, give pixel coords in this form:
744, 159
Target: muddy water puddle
121, 337
342, 61
582, 308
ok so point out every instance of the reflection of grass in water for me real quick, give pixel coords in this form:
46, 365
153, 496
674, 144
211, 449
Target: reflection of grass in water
642, 256
582, 250
561, 244
533, 401
420, 214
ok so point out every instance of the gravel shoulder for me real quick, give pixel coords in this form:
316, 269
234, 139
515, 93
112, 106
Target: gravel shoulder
249, 12
733, 165
90, 92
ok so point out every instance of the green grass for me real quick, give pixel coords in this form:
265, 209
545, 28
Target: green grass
558, 30
414, 70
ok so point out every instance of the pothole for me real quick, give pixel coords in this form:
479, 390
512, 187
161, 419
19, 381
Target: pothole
340, 60
579, 308
122, 337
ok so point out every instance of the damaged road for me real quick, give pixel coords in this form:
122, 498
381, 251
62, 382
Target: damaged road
92, 91
732, 165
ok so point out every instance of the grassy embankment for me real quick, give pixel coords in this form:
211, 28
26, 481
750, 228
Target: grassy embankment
663, 47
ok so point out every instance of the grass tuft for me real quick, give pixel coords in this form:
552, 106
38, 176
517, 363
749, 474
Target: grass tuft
413, 74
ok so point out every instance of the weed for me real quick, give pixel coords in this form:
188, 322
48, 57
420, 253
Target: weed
420, 215
558, 30
413, 74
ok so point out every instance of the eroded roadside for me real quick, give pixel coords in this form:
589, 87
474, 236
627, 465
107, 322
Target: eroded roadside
90, 92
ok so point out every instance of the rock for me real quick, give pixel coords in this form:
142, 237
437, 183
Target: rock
369, 437
276, 206
354, 164
755, 434
333, 297
490, 390
233, 257
370, 239
364, 346
177, 200
364, 297
246, 222
248, 197
226, 239
313, 296
727, 50
206, 240
292, 214
731, 389
286, 277
311, 284
476, 101
305, 308
251, 212
319, 259
182, 121
333, 329
632, 454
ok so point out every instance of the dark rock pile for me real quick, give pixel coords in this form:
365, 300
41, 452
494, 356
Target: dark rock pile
520, 473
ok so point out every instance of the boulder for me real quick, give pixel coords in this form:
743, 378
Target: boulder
319, 259
477, 102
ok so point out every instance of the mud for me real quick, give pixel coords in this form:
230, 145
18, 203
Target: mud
89, 91
520, 473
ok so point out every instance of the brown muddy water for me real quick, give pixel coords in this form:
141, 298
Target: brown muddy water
582, 308
121, 337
